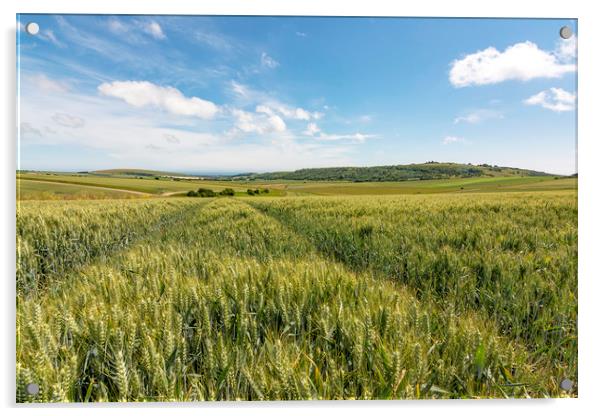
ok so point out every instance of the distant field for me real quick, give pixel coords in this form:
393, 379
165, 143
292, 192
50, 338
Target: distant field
33, 190
168, 187
462, 185
150, 186
134, 172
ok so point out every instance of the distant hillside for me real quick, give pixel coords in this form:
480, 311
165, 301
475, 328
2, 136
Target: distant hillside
422, 171
133, 172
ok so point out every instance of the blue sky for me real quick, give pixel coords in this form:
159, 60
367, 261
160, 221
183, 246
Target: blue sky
239, 94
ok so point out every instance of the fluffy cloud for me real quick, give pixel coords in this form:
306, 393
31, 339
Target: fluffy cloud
268, 61
248, 122
119, 134
555, 99
522, 61
68, 120
453, 139
144, 93
478, 116
154, 29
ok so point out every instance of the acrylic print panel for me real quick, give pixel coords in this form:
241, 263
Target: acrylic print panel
295, 208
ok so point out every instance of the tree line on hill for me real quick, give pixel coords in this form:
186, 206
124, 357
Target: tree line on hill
394, 173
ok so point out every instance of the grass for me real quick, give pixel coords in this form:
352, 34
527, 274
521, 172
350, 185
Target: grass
462, 185
33, 190
168, 187
415, 296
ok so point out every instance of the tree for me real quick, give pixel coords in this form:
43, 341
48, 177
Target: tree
250, 192
206, 193
227, 192
192, 193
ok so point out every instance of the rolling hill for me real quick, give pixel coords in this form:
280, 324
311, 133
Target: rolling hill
422, 171
134, 172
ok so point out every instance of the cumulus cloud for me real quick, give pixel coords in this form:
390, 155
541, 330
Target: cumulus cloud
248, 122
170, 99
522, 61
154, 29
555, 99
453, 139
478, 116
68, 120
268, 61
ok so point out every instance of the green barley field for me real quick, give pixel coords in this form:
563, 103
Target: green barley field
316, 292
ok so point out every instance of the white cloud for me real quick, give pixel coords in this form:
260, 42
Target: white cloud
259, 123
356, 137
268, 61
267, 104
293, 113
213, 40
312, 129
566, 49
144, 93
109, 126
301, 34
117, 134
453, 139
49, 36
68, 120
478, 116
239, 89
366, 118
154, 29
555, 99
117, 26
42, 83
135, 31
522, 61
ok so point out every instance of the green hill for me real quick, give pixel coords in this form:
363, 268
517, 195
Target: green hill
133, 172
422, 171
